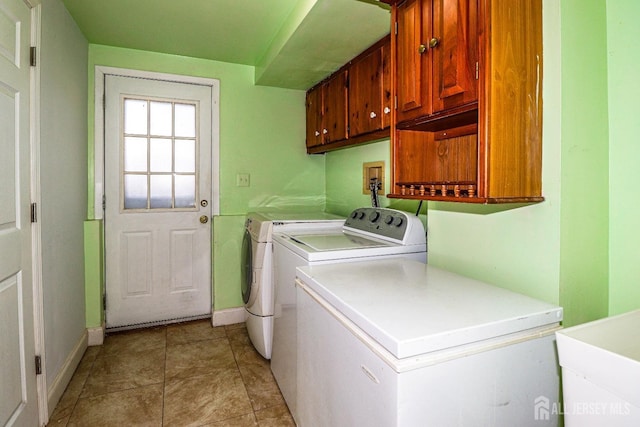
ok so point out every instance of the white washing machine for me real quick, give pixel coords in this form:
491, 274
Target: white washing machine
368, 233
257, 270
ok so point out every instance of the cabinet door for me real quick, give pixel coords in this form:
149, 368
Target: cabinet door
335, 108
365, 94
413, 64
455, 58
314, 117
387, 102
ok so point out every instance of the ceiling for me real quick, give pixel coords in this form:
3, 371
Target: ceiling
291, 43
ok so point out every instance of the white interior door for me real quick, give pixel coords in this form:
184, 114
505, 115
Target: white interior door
18, 404
158, 194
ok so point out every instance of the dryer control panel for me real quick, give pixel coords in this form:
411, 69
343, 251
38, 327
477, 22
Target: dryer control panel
389, 224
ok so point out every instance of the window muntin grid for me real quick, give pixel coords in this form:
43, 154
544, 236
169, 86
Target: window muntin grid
159, 154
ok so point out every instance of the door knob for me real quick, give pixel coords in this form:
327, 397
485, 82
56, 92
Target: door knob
204, 219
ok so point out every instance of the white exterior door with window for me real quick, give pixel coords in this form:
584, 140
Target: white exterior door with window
18, 398
158, 138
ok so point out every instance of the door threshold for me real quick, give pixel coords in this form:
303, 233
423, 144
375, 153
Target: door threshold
156, 323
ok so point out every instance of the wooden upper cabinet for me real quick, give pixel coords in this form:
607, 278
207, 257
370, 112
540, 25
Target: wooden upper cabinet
314, 107
370, 91
335, 108
326, 111
413, 67
387, 88
479, 138
437, 56
455, 53
354, 104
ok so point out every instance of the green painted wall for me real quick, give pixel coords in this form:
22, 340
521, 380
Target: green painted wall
93, 273
623, 33
345, 180
261, 133
585, 165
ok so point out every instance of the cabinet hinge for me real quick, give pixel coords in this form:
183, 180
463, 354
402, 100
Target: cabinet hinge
32, 56
34, 212
38, 365
477, 70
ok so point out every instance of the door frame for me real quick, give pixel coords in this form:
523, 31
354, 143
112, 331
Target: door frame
98, 146
97, 334
42, 388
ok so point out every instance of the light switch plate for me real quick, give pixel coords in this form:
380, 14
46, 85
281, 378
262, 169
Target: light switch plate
242, 180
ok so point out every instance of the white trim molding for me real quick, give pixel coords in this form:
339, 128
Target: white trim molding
95, 336
228, 316
65, 374
100, 73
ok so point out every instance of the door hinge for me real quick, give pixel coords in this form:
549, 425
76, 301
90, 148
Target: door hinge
104, 302
38, 365
477, 70
104, 202
34, 212
32, 56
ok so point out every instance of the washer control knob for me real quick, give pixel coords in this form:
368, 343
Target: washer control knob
360, 215
354, 214
398, 221
388, 220
374, 216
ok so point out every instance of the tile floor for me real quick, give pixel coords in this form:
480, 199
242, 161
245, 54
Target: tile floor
187, 374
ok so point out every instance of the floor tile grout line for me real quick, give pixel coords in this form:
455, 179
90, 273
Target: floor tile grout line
84, 383
164, 375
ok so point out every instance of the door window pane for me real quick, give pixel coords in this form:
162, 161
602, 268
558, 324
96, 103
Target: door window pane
185, 156
160, 192
160, 154
185, 191
161, 119
135, 116
135, 191
161, 157
135, 154
185, 120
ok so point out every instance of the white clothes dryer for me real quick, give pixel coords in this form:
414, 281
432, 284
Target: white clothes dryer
257, 269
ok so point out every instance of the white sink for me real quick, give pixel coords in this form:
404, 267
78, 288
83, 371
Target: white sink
601, 371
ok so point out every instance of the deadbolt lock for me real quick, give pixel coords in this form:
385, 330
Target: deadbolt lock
204, 219
204, 203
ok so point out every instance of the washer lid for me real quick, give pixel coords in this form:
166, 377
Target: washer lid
338, 241
413, 309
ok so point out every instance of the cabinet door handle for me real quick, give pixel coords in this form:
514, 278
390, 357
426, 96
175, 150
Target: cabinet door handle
422, 49
387, 110
434, 42
324, 131
373, 115
316, 133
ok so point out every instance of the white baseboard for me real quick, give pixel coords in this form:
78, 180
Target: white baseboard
228, 316
96, 335
61, 381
